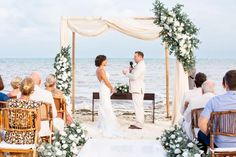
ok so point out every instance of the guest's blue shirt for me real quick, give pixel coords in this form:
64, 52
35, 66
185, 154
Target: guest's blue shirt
218, 103
3, 97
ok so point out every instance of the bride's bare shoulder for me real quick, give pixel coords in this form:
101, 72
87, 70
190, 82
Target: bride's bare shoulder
100, 70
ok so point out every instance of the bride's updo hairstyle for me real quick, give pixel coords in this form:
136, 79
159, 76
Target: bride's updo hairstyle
27, 86
99, 59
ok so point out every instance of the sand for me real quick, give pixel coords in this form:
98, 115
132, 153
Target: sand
125, 118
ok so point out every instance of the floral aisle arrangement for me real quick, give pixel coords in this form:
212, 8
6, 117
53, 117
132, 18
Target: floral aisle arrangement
177, 144
178, 32
62, 65
122, 88
66, 143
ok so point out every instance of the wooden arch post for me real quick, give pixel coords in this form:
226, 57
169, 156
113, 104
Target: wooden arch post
73, 72
167, 81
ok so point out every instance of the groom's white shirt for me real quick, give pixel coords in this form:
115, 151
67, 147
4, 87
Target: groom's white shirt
136, 78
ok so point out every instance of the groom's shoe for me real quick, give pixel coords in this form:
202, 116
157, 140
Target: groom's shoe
134, 127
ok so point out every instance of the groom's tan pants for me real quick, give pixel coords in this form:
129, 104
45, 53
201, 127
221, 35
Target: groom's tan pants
138, 106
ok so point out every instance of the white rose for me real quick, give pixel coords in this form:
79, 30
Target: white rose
64, 146
190, 145
63, 133
73, 144
176, 24
71, 137
166, 27
64, 152
179, 139
172, 129
197, 155
183, 51
177, 151
74, 150
180, 29
82, 136
72, 125
64, 78
185, 154
163, 139
172, 136
78, 130
57, 144
170, 20
64, 60
59, 152
181, 43
171, 14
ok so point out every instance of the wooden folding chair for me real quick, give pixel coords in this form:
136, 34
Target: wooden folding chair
224, 124
13, 97
195, 114
3, 104
19, 120
61, 107
47, 118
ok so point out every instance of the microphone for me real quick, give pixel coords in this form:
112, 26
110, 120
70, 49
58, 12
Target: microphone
131, 64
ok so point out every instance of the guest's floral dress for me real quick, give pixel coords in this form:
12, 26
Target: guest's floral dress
14, 137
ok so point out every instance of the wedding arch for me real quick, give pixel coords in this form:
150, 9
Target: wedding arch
138, 27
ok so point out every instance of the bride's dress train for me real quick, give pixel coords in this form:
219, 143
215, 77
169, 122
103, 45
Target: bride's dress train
107, 121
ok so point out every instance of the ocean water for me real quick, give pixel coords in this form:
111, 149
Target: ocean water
86, 81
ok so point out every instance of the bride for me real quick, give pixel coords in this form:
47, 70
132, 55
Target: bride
107, 121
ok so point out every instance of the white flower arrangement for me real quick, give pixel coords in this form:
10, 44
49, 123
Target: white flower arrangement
66, 143
178, 31
63, 73
122, 88
177, 144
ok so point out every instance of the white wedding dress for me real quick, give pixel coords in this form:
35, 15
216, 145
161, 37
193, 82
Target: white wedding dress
107, 122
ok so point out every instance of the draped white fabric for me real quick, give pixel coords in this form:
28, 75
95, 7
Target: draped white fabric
181, 86
138, 27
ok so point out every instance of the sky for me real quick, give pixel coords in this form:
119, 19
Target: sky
31, 28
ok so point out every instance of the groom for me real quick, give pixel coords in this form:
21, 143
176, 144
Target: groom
136, 81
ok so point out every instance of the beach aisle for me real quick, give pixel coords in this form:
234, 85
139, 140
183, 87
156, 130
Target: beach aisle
150, 131
136, 143
122, 148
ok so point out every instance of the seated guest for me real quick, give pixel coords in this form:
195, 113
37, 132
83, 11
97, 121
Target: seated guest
191, 76
208, 90
15, 84
26, 88
50, 85
196, 91
46, 96
3, 97
223, 102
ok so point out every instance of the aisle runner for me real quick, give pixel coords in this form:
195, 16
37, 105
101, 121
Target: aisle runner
122, 148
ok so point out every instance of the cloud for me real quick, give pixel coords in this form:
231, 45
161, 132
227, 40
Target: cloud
36, 23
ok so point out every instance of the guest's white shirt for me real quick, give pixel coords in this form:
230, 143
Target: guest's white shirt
189, 95
194, 103
43, 95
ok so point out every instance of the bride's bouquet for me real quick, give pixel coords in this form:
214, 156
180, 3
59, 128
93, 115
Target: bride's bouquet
122, 88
